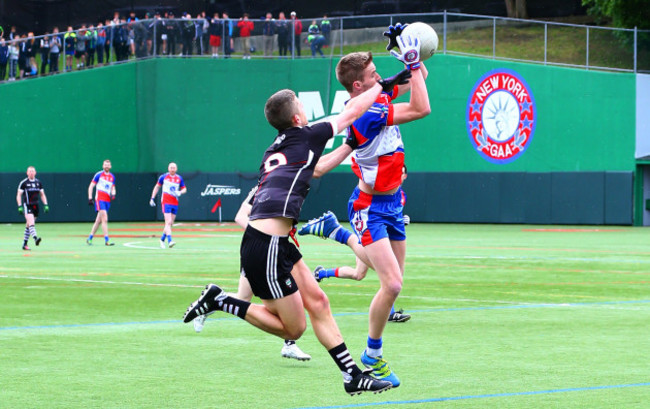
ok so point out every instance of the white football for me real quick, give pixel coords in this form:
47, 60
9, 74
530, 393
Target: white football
427, 36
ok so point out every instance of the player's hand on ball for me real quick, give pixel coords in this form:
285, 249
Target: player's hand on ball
46, 208
407, 219
20, 209
392, 34
177, 193
409, 51
152, 202
400, 78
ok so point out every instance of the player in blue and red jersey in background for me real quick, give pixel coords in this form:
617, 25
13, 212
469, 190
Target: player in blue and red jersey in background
173, 187
104, 181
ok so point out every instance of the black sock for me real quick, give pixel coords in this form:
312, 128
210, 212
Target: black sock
343, 359
289, 342
235, 306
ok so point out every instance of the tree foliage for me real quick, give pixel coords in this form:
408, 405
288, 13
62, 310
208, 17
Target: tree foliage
623, 13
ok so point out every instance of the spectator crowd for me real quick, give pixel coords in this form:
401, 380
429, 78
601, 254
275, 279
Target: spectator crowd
122, 38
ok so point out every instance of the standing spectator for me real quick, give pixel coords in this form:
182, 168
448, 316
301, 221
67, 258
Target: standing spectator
173, 187
14, 53
55, 50
108, 29
215, 30
188, 33
282, 27
30, 190
120, 41
31, 68
297, 29
44, 48
70, 41
23, 56
313, 28
101, 43
205, 40
140, 38
245, 28
198, 33
228, 44
104, 180
268, 31
326, 29
91, 45
171, 28
12, 33
130, 37
158, 32
4, 58
80, 53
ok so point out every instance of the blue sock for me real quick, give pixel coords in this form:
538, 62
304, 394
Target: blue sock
374, 347
169, 238
106, 239
329, 272
90, 237
342, 235
392, 309
162, 238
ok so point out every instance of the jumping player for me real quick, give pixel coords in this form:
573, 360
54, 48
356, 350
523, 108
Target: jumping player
359, 271
173, 187
375, 209
272, 264
29, 191
104, 180
244, 292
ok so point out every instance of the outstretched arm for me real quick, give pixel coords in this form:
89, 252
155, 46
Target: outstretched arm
332, 160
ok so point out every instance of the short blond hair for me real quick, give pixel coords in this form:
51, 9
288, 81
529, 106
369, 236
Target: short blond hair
350, 68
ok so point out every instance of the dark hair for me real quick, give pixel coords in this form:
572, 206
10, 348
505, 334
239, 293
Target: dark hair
280, 109
350, 68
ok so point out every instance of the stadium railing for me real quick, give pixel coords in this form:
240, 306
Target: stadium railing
531, 41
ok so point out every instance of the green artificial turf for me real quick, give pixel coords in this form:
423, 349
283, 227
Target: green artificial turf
503, 316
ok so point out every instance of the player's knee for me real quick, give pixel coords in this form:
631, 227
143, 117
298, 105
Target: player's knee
394, 287
294, 332
317, 302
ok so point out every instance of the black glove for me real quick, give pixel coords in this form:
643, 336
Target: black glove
351, 141
91, 202
400, 78
392, 34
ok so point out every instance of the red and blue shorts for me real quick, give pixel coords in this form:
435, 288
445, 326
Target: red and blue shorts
374, 217
102, 205
168, 208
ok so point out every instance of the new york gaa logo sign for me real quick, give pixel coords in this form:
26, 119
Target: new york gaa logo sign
501, 116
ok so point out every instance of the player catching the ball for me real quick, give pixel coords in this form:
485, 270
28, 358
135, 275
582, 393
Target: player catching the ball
375, 207
272, 264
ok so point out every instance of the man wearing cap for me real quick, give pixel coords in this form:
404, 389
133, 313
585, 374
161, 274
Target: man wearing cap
297, 29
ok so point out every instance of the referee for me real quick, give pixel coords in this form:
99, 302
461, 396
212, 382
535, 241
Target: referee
29, 191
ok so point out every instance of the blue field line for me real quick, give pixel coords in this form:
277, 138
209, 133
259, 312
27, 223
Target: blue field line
490, 395
346, 314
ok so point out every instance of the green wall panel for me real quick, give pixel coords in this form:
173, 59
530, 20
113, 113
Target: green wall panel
70, 122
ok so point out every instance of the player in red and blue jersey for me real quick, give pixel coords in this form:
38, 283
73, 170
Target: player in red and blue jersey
375, 207
104, 185
173, 187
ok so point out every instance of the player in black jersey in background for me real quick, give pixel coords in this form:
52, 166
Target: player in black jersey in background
273, 265
29, 191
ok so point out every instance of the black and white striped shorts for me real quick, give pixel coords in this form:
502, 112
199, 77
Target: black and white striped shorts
267, 261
